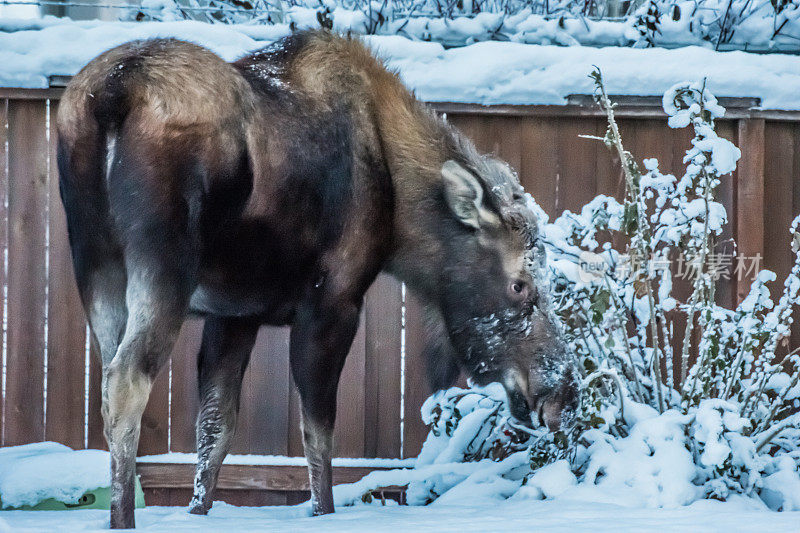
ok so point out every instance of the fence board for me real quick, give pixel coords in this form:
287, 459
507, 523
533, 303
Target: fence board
349, 432
66, 324
273, 342
263, 416
383, 315
726, 293
295, 437
184, 395
466, 124
154, 438
416, 384
27, 209
750, 193
95, 438
251, 425
539, 161
778, 210
795, 338
3, 234
577, 184
781, 169
608, 172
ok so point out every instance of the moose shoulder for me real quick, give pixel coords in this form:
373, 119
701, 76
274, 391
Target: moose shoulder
273, 190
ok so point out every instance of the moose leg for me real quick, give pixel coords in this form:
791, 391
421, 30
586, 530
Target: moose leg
223, 357
320, 339
156, 306
105, 307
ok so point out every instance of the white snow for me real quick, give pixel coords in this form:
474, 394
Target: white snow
476, 497
484, 73
553, 480
552, 516
35, 472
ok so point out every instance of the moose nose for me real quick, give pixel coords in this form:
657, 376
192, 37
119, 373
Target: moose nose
559, 409
556, 406
552, 416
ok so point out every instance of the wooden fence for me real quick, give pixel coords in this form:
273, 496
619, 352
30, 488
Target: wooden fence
51, 381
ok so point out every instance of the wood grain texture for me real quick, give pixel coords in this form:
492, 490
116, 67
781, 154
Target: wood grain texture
94, 432
154, 438
273, 343
348, 436
749, 199
781, 175
416, 383
184, 396
180, 497
383, 323
252, 422
576, 175
264, 405
295, 437
780, 162
539, 161
66, 323
795, 172
27, 283
3, 230
244, 477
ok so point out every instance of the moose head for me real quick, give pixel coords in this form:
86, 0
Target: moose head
491, 315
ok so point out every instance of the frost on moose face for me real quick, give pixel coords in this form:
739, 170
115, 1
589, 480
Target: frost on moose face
495, 302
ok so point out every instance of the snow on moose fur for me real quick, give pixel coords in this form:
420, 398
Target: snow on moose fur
730, 430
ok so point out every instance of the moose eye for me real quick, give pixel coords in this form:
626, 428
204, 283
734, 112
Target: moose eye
517, 287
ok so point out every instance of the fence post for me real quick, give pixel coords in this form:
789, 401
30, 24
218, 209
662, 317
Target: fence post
416, 384
749, 195
26, 281
66, 324
3, 229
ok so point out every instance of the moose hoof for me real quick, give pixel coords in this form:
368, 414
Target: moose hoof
199, 508
320, 510
122, 522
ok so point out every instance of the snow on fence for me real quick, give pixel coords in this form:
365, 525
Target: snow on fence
51, 381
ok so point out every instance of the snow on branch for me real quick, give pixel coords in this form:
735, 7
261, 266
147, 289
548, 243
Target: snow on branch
722, 423
745, 24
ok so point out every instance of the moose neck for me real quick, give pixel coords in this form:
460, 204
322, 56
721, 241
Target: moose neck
415, 145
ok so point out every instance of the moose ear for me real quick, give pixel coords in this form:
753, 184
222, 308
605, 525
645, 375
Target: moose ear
463, 193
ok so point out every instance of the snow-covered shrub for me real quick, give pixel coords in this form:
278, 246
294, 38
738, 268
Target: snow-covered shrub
721, 423
747, 24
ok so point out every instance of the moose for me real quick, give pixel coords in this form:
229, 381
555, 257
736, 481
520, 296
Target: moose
273, 190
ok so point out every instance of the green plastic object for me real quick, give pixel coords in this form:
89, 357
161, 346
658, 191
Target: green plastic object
94, 499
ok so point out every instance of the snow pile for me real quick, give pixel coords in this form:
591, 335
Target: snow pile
665, 460
564, 515
759, 24
483, 73
34, 472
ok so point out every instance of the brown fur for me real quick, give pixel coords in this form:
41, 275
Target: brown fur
272, 190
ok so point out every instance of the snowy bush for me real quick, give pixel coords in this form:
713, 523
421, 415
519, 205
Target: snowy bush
721, 423
744, 24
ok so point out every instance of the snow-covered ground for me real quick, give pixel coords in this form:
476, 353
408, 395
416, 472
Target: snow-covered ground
35, 472
484, 73
550, 516
481, 503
